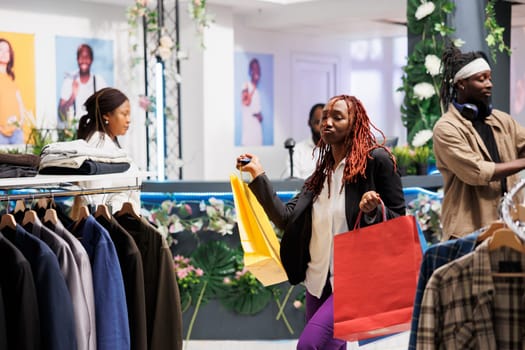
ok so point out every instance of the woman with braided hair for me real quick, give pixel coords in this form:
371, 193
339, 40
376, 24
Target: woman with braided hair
353, 172
479, 150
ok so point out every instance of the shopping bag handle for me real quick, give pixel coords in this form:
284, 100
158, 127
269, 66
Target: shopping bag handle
358, 221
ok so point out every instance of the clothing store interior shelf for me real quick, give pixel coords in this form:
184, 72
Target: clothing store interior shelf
42, 180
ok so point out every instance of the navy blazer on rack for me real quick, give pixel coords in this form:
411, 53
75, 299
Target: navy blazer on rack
55, 308
295, 216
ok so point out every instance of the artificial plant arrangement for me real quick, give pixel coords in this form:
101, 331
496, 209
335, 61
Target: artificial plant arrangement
422, 73
426, 19
427, 211
212, 267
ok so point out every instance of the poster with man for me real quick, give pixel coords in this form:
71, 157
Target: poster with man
17, 87
253, 99
84, 66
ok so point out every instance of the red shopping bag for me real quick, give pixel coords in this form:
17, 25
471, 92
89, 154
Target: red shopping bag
375, 278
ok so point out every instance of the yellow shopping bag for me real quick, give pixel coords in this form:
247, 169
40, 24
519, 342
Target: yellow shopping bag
258, 239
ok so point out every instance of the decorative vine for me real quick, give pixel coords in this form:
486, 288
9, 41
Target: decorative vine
421, 106
495, 32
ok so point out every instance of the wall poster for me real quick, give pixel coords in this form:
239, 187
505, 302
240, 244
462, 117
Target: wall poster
253, 99
17, 87
83, 66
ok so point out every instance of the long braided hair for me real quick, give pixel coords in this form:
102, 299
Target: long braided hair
452, 61
359, 142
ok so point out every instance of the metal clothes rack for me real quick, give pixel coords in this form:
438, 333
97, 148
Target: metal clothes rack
57, 186
508, 205
58, 192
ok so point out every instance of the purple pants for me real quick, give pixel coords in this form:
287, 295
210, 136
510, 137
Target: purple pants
318, 334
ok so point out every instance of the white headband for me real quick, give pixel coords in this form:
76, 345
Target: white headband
471, 68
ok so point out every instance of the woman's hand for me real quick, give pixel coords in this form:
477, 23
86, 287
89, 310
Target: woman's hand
254, 167
369, 202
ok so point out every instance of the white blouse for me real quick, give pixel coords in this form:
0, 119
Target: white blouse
113, 200
328, 219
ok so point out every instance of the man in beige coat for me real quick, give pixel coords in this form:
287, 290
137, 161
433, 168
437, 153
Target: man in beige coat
479, 150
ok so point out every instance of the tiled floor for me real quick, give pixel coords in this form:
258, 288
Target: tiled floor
396, 342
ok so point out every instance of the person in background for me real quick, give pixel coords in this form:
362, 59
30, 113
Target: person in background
78, 86
479, 150
354, 173
305, 153
11, 105
251, 107
108, 117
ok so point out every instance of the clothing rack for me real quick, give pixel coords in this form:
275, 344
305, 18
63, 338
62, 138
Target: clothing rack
507, 205
57, 192
54, 185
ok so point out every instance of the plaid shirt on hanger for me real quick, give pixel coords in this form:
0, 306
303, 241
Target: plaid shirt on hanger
465, 307
436, 256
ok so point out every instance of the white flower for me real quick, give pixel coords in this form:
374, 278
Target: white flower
433, 65
458, 42
424, 10
182, 55
165, 41
421, 137
424, 90
164, 52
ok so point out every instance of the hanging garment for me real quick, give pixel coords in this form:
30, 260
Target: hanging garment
3, 329
133, 275
20, 299
55, 308
465, 307
69, 269
110, 298
434, 257
163, 307
86, 278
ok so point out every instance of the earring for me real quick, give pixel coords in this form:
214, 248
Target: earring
106, 121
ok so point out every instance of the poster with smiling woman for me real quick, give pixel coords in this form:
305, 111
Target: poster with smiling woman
17, 87
253, 99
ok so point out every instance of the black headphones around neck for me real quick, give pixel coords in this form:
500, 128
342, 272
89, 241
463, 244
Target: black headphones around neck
470, 110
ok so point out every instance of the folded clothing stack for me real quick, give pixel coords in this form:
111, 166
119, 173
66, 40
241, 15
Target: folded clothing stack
18, 165
80, 158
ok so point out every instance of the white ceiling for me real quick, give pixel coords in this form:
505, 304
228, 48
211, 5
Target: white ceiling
346, 18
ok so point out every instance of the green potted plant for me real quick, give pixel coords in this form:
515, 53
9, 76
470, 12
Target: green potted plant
421, 157
403, 155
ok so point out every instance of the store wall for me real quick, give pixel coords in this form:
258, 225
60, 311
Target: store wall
51, 18
208, 109
208, 95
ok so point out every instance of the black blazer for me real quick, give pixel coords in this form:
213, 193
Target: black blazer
295, 216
